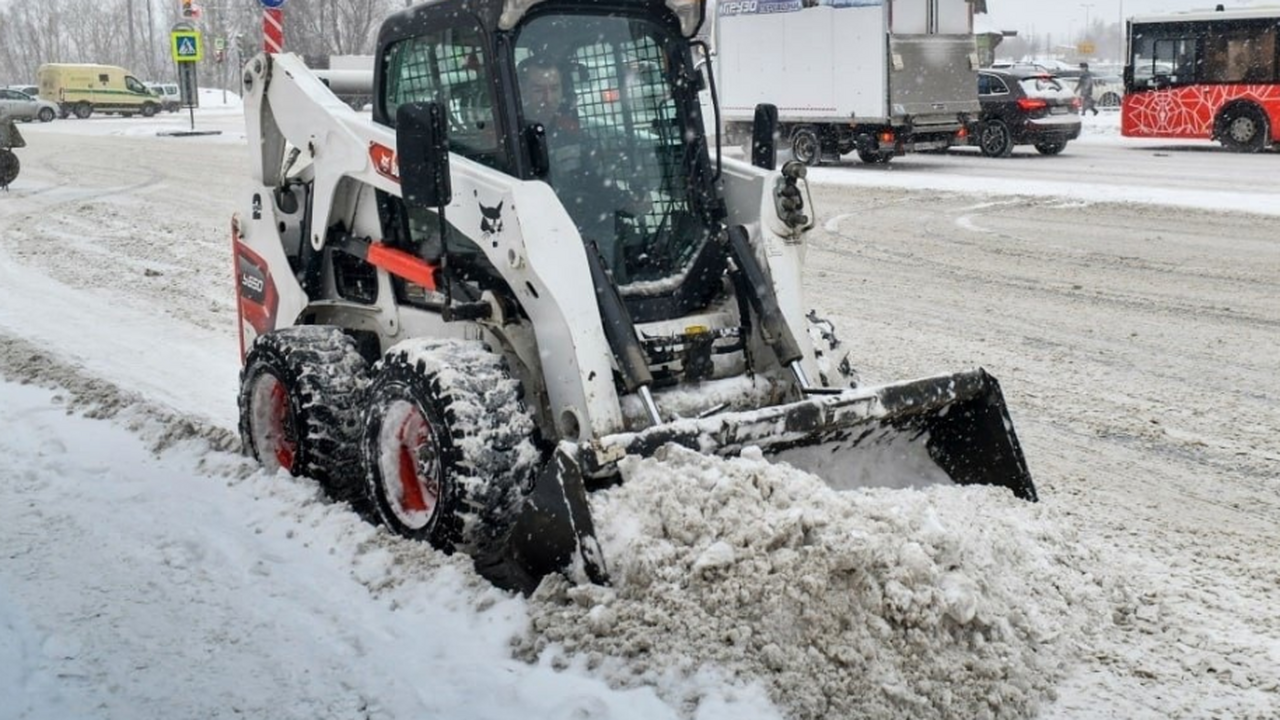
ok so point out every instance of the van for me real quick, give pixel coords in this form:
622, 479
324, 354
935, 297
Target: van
169, 94
81, 90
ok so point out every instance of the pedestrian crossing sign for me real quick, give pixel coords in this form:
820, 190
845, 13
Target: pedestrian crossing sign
186, 46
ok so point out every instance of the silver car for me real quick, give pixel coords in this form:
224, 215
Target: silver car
21, 106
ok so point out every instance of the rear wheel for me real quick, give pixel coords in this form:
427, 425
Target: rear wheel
1244, 129
872, 157
448, 447
805, 145
300, 394
46, 114
995, 140
83, 110
9, 167
1051, 147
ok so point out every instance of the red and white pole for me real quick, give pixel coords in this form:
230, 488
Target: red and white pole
273, 30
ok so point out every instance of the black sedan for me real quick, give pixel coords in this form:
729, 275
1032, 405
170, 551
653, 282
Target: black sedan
1024, 109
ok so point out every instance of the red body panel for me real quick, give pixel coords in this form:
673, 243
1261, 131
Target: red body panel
1189, 112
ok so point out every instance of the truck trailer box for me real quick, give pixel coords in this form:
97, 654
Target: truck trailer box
82, 89
878, 76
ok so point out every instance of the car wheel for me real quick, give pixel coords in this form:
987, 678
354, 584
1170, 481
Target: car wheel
805, 146
1109, 100
1051, 147
46, 114
83, 110
995, 140
1243, 129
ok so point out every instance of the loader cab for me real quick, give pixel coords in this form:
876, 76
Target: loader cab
600, 101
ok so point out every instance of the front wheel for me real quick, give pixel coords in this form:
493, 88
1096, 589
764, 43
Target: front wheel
300, 394
46, 114
805, 145
1051, 147
149, 109
995, 140
448, 446
1244, 129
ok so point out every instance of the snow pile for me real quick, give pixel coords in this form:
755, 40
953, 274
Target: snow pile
951, 602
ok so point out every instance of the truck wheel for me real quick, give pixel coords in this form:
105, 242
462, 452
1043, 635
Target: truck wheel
46, 114
83, 110
1243, 129
805, 145
834, 367
995, 140
300, 400
148, 109
448, 446
871, 157
1051, 147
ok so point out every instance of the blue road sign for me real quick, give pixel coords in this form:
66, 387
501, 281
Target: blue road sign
271, 4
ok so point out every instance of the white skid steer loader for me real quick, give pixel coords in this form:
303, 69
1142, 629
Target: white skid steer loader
461, 313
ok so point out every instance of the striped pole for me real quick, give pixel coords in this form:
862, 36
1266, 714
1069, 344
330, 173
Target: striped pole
272, 30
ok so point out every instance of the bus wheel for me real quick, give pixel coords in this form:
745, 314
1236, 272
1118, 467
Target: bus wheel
1243, 129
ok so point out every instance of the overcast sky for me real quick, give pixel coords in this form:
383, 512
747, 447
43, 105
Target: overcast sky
1055, 16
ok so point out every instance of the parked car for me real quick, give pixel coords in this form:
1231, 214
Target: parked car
1107, 90
31, 90
21, 106
170, 96
1024, 109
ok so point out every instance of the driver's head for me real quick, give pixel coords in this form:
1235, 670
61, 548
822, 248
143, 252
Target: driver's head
541, 89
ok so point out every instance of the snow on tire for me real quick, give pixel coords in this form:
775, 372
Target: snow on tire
300, 398
448, 446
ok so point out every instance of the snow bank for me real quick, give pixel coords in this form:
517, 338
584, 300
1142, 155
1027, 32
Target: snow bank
951, 602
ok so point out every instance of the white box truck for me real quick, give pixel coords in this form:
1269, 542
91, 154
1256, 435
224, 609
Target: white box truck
880, 77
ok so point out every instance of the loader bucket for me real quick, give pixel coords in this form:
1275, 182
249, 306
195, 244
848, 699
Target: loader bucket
947, 428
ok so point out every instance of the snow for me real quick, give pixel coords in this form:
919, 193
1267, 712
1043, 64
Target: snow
149, 571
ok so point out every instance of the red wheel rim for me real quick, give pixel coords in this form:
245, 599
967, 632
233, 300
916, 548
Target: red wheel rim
409, 465
271, 423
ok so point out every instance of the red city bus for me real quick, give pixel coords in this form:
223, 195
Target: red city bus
1206, 75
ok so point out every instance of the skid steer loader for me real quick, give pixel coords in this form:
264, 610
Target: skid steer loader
462, 312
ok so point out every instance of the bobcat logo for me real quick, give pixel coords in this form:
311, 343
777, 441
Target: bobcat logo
491, 223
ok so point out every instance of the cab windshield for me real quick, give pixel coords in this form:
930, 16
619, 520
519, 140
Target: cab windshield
606, 91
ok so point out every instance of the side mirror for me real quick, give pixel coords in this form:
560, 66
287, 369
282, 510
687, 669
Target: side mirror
764, 130
422, 150
535, 138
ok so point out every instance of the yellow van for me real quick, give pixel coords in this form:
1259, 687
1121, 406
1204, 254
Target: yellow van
81, 90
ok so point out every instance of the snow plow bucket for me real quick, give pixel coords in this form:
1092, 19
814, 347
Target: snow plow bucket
948, 428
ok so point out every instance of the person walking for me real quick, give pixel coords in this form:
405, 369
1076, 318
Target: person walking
1084, 88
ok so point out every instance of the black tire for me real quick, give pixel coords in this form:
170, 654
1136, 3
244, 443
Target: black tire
1051, 147
445, 417
1109, 100
82, 110
149, 109
995, 140
46, 114
1244, 129
805, 145
872, 157
301, 393
9, 167
834, 368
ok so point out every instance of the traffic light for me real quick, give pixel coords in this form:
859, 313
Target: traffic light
187, 10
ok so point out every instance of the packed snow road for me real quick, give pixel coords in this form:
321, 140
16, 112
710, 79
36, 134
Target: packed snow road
1134, 328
